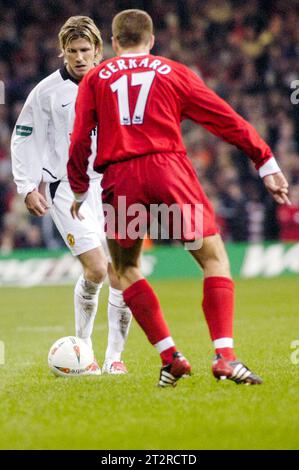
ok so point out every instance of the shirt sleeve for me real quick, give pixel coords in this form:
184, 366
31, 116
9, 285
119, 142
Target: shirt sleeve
205, 107
28, 144
80, 147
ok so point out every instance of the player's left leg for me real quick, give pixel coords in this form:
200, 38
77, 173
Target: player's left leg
87, 289
119, 315
145, 307
119, 321
180, 185
218, 301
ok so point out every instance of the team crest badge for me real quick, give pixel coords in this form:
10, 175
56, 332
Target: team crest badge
71, 239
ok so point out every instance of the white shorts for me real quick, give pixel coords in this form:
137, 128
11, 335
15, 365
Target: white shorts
79, 236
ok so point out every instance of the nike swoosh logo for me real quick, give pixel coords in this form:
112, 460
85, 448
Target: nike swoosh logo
64, 105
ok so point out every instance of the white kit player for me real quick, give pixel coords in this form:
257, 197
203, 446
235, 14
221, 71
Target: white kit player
39, 151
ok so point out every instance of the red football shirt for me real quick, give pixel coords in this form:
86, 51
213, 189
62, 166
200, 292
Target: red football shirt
138, 102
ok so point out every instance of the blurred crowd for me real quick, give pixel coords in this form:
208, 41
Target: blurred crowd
246, 50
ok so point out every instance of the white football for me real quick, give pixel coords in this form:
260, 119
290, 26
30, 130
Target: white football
70, 357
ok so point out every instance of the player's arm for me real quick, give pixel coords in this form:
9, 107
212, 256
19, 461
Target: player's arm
80, 147
27, 148
206, 108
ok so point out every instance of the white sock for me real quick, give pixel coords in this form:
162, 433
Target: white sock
86, 305
119, 320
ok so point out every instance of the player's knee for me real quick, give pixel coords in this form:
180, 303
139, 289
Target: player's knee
113, 277
96, 273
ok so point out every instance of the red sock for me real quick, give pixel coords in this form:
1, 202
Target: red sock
145, 307
218, 307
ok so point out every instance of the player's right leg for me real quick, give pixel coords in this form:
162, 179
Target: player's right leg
218, 307
119, 315
84, 243
145, 307
178, 184
119, 321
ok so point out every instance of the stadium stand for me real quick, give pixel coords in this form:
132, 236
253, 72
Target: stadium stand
246, 51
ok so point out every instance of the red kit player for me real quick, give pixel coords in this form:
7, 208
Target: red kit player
139, 100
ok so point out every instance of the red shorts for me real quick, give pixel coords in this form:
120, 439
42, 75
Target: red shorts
147, 182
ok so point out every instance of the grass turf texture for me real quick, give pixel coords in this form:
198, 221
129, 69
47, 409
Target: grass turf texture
39, 411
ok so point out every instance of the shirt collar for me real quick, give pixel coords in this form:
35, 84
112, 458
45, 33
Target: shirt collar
134, 54
67, 76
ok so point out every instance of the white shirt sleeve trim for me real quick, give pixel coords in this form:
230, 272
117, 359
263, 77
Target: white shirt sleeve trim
269, 168
26, 190
80, 197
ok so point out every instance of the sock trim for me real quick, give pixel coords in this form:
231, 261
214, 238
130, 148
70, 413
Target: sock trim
218, 281
116, 298
117, 306
113, 290
164, 344
223, 343
131, 291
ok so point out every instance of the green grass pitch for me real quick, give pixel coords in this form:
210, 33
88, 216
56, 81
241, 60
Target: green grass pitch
39, 411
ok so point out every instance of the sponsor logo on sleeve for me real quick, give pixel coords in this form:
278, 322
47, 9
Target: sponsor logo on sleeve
24, 131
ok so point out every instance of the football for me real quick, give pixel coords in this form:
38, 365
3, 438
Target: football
70, 357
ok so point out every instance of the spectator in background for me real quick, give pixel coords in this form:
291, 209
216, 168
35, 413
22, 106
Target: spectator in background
234, 212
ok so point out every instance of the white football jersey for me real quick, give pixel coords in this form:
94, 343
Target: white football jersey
41, 137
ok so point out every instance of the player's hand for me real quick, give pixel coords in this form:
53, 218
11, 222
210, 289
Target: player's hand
75, 208
36, 203
278, 187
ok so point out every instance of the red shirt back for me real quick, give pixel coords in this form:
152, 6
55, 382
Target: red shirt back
138, 102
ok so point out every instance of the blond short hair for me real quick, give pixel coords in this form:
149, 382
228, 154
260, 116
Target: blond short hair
80, 27
132, 27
